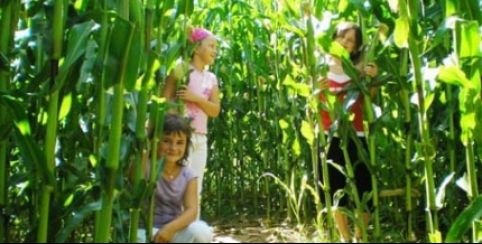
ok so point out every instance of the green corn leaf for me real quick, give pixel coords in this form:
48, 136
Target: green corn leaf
307, 132
402, 30
464, 221
453, 75
77, 219
77, 45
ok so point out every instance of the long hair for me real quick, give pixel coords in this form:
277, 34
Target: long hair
341, 29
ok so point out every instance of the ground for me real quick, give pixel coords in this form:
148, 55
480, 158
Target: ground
259, 232
282, 234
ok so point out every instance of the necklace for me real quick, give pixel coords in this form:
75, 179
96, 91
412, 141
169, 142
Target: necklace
170, 174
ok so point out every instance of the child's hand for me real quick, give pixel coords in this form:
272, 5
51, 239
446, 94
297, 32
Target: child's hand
187, 96
324, 84
164, 235
371, 70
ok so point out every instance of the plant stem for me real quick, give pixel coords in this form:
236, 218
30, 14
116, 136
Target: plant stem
52, 120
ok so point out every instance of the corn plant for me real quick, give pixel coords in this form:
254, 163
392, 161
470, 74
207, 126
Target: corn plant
53, 109
9, 13
469, 79
112, 56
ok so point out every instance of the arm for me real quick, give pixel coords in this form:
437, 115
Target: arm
186, 218
211, 107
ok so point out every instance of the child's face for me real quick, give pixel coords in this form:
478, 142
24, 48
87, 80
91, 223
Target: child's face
207, 50
173, 146
348, 40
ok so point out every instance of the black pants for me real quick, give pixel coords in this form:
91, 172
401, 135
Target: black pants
338, 180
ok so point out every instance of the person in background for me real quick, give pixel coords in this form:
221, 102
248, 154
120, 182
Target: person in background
349, 36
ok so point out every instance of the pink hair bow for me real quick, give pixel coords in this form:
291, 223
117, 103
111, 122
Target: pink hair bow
199, 34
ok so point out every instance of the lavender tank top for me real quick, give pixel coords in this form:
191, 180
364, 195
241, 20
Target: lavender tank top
169, 197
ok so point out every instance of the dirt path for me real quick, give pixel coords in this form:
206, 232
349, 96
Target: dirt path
258, 234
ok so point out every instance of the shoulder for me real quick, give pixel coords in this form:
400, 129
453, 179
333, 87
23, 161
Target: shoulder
188, 173
211, 76
339, 78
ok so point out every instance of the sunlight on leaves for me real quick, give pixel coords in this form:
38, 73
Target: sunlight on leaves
65, 107
307, 132
402, 30
24, 127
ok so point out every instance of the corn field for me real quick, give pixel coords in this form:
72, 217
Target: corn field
80, 78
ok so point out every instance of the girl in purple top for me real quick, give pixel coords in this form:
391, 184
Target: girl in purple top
201, 95
176, 198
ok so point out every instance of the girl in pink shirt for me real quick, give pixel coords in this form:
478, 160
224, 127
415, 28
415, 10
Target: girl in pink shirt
201, 96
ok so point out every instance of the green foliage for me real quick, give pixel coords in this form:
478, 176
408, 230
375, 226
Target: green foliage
76, 48
123, 56
464, 221
270, 61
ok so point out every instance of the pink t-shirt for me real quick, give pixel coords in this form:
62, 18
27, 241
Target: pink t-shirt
201, 83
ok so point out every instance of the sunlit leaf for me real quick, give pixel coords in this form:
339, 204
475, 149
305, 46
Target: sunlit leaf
296, 147
343, 5
307, 132
435, 237
93, 161
401, 32
454, 76
69, 200
451, 7
337, 50
468, 39
283, 124
468, 123
65, 107
24, 127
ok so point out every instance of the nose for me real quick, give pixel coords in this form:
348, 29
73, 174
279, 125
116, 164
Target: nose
171, 147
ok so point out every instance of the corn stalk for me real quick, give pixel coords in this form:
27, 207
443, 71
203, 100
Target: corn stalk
105, 216
409, 15
141, 151
52, 121
370, 125
407, 128
7, 23
319, 138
